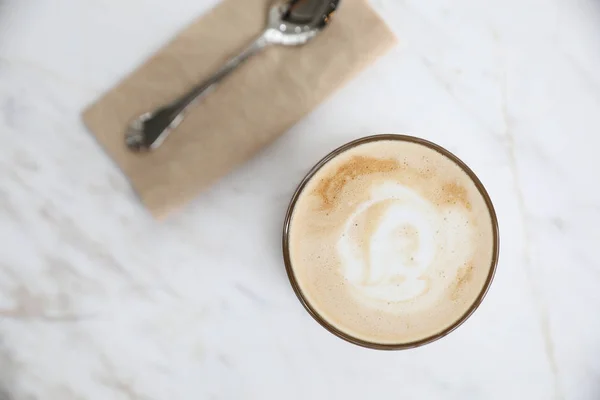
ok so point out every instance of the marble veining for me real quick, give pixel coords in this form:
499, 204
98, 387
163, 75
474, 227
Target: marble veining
98, 301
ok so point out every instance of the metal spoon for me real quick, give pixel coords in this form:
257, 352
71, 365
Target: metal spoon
290, 23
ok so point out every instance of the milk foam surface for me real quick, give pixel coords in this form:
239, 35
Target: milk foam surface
391, 241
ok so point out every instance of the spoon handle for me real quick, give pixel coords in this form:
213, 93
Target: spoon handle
149, 130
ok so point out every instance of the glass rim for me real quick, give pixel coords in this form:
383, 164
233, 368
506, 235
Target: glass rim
372, 344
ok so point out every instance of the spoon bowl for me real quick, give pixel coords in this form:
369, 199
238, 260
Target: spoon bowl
293, 23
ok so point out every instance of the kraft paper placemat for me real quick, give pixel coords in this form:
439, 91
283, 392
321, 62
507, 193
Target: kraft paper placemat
252, 107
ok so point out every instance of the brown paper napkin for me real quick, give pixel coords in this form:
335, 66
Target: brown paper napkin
250, 108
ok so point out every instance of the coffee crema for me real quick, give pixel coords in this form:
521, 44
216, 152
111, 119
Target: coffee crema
391, 241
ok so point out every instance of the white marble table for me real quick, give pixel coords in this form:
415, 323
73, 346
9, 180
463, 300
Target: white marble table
98, 301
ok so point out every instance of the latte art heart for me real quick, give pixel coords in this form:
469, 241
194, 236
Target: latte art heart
391, 241
388, 244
